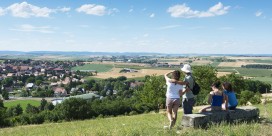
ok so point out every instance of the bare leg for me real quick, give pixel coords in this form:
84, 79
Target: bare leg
169, 113
175, 112
170, 116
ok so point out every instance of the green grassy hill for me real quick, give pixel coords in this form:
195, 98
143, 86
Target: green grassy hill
145, 124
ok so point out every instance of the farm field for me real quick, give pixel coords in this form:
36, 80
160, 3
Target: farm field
141, 73
269, 61
23, 103
250, 72
254, 72
141, 67
144, 124
233, 64
264, 79
201, 62
97, 67
111, 69
214, 64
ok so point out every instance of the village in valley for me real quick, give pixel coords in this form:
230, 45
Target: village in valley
58, 79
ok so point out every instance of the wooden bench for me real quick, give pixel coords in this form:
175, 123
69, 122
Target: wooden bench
245, 113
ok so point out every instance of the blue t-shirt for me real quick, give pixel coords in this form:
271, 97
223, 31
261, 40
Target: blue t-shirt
232, 98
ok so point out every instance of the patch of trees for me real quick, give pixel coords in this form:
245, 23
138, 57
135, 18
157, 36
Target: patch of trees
223, 60
144, 61
257, 66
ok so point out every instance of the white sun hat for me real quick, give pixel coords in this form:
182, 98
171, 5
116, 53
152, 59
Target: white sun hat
186, 68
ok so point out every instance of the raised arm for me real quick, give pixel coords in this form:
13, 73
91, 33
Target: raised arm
179, 82
210, 98
166, 76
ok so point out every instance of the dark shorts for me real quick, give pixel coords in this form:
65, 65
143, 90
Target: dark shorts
232, 107
187, 105
172, 102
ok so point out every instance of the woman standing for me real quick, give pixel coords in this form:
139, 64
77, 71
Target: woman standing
172, 97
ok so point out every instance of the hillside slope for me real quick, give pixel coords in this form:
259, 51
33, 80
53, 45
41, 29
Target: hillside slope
145, 124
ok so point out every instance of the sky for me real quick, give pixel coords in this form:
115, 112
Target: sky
157, 26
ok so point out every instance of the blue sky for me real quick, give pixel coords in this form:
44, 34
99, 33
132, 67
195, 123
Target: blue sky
163, 26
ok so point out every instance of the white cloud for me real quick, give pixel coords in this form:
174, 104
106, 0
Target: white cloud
152, 15
112, 11
92, 9
64, 9
169, 27
31, 28
130, 10
186, 12
258, 13
26, 10
2, 11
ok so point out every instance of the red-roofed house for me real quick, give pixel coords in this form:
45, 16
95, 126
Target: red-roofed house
59, 91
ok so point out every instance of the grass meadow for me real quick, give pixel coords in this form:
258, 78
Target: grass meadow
264, 79
254, 72
142, 67
97, 67
250, 72
23, 103
214, 64
144, 124
263, 61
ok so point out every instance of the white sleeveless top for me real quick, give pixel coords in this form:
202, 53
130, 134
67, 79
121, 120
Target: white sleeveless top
173, 89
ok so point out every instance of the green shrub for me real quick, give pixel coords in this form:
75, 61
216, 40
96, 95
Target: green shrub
31, 109
51, 116
4, 122
23, 119
36, 119
14, 111
73, 108
246, 96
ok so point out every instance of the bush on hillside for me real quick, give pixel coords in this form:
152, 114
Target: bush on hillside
73, 108
4, 122
51, 116
246, 96
31, 109
14, 111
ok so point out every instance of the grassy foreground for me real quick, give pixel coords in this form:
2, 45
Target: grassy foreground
145, 124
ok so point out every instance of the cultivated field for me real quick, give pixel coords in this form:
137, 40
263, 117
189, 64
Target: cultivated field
233, 64
97, 67
119, 63
141, 73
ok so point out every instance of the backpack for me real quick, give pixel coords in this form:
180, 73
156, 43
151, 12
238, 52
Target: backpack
196, 89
